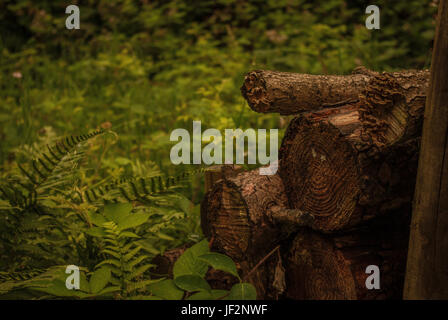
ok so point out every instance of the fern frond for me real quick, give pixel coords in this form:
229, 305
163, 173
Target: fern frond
47, 171
131, 253
137, 188
139, 271
136, 261
45, 165
21, 275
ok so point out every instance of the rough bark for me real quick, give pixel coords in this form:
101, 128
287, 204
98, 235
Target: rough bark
427, 275
218, 172
348, 164
293, 93
213, 175
332, 267
237, 206
240, 220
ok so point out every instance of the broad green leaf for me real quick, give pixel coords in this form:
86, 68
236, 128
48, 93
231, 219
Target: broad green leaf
116, 211
83, 283
57, 288
220, 262
99, 279
242, 291
166, 289
192, 282
205, 295
184, 204
188, 262
97, 219
132, 220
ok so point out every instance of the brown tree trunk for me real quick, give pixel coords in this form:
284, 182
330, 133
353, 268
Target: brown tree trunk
427, 267
294, 93
348, 164
333, 267
240, 219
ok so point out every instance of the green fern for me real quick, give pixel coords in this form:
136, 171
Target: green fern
21, 275
124, 255
134, 189
40, 225
48, 172
30, 221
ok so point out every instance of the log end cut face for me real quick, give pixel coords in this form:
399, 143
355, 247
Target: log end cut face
236, 213
316, 271
320, 172
228, 220
254, 91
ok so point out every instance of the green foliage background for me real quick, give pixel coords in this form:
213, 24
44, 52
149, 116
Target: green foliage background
142, 68
151, 66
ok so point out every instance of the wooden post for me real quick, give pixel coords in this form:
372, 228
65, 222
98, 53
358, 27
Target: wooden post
427, 264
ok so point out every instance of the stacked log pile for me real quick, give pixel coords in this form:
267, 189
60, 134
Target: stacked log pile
341, 199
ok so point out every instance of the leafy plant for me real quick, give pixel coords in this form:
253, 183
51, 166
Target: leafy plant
45, 224
189, 274
125, 264
33, 221
145, 68
122, 272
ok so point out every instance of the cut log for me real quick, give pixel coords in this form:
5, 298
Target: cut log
236, 208
348, 164
328, 267
217, 172
293, 93
240, 214
212, 175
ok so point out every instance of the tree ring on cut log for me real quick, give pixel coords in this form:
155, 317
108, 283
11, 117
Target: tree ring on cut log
228, 220
238, 216
255, 88
333, 266
320, 171
316, 271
